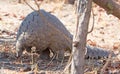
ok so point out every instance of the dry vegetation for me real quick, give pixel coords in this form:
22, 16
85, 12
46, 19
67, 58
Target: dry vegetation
106, 34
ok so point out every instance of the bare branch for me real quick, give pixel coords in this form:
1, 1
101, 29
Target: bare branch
38, 4
110, 6
93, 22
30, 6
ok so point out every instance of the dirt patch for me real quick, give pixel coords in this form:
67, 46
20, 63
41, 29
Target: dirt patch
106, 34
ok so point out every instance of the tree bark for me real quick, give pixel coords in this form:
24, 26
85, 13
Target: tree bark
110, 6
69, 1
79, 40
19, 1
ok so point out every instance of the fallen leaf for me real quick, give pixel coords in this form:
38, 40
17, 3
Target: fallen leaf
93, 43
7, 14
21, 17
116, 45
0, 18
14, 15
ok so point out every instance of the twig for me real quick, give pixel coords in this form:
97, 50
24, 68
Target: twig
93, 22
61, 63
38, 6
106, 64
51, 60
68, 65
30, 6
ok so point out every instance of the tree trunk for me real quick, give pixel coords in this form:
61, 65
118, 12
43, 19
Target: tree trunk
19, 1
110, 6
69, 1
79, 40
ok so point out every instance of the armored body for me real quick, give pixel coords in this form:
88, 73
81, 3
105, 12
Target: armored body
43, 32
46, 32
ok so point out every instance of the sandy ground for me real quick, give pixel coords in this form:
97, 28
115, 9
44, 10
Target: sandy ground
106, 30
106, 33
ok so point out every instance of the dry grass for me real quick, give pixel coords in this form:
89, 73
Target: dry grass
30, 62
